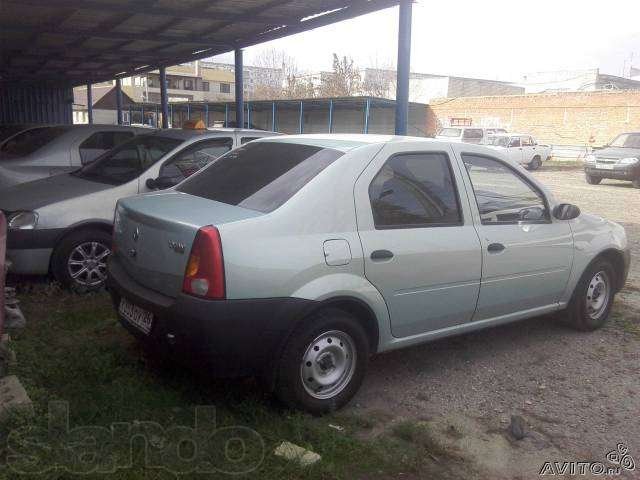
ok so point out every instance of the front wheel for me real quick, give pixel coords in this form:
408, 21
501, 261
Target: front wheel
535, 164
591, 180
323, 363
593, 298
79, 261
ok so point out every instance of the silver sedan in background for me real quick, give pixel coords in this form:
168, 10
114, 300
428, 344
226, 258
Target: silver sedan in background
42, 151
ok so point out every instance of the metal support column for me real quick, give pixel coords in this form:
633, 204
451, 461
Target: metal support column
248, 114
188, 111
404, 65
89, 104
330, 116
301, 118
164, 98
156, 117
119, 101
226, 115
367, 109
141, 115
239, 89
206, 115
273, 116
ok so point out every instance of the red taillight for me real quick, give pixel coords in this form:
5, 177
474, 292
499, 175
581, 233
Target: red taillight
204, 275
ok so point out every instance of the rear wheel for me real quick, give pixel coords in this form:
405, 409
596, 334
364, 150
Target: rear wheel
323, 363
535, 164
593, 298
79, 261
591, 180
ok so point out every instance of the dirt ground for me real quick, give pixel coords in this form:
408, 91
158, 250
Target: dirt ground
578, 393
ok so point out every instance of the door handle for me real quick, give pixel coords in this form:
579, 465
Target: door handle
381, 255
495, 248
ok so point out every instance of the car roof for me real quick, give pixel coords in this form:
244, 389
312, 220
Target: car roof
186, 134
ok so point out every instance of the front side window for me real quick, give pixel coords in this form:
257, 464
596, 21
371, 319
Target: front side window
193, 158
260, 176
101, 142
248, 139
129, 160
515, 142
30, 141
526, 142
503, 196
415, 190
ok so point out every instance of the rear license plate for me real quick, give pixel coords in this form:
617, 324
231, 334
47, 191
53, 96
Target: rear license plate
605, 166
136, 316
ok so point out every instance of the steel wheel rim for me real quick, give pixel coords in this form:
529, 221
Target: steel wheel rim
598, 293
328, 364
87, 263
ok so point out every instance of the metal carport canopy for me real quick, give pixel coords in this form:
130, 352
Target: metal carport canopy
78, 41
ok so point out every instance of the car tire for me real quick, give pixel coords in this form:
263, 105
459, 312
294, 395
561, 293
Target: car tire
593, 297
591, 180
331, 345
636, 183
79, 260
535, 164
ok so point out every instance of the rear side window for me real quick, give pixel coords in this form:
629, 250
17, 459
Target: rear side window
30, 141
472, 133
244, 140
101, 142
260, 176
415, 190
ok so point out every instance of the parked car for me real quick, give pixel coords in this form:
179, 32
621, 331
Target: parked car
296, 258
48, 150
462, 134
620, 160
522, 149
62, 224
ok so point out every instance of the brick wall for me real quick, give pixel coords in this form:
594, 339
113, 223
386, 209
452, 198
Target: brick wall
566, 118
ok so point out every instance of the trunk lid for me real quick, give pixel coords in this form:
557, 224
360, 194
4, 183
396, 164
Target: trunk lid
153, 235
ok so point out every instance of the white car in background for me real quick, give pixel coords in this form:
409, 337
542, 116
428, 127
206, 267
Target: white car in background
521, 148
477, 135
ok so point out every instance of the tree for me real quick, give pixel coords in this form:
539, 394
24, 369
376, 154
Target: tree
343, 81
279, 78
380, 80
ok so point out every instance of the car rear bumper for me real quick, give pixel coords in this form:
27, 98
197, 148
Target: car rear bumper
226, 337
623, 172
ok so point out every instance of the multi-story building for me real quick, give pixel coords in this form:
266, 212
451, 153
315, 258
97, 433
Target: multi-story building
258, 81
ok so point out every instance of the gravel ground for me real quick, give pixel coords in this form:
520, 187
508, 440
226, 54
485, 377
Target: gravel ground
578, 393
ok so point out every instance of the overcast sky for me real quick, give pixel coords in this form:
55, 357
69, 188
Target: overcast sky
494, 39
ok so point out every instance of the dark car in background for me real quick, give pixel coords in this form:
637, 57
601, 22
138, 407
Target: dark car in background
619, 160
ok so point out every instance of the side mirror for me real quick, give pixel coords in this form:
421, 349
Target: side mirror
532, 214
566, 211
160, 183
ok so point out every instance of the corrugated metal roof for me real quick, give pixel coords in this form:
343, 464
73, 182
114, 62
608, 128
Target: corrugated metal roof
75, 41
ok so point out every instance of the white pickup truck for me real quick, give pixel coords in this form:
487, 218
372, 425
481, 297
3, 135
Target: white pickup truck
521, 148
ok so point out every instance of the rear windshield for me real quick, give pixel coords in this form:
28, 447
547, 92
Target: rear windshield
450, 132
128, 160
7, 131
30, 141
260, 176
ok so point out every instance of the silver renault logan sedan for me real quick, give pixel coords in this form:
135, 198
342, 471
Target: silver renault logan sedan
296, 258
62, 224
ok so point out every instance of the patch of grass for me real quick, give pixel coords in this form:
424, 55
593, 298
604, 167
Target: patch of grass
629, 325
73, 350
